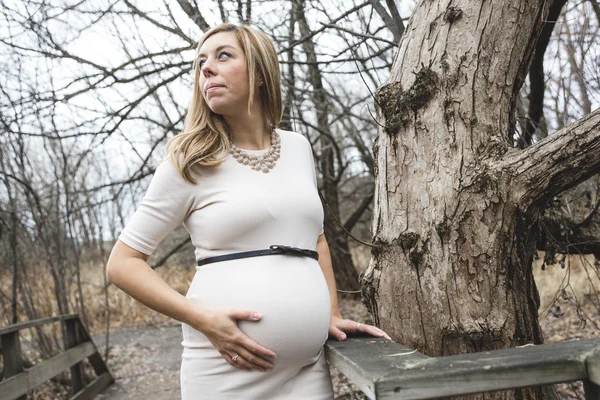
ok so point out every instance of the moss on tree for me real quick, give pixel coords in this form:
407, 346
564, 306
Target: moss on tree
452, 14
397, 104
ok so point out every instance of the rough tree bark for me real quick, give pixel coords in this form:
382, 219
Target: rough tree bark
457, 209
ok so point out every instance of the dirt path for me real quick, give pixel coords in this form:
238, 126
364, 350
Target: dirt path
145, 364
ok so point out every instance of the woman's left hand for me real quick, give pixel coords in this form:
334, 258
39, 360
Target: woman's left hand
339, 327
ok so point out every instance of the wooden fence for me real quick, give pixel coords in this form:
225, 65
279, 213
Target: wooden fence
18, 381
388, 370
380, 368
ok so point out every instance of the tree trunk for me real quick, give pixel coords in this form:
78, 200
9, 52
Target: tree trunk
289, 81
457, 209
346, 277
535, 114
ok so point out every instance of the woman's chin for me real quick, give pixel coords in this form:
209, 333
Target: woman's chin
225, 108
221, 110
218, 104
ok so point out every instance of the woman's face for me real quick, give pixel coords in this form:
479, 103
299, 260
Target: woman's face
223, 74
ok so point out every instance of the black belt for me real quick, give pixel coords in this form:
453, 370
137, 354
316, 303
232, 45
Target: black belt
274, 249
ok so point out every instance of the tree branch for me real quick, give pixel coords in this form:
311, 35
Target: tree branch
176, 30
399, 24
536, 76
359, 211
362, 35
596, 8
323, 28
194, 13
556, 163
391, 23
174, 250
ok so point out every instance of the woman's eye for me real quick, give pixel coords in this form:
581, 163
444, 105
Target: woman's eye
221, 54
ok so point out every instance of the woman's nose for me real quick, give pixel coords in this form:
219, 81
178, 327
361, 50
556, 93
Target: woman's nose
207, 68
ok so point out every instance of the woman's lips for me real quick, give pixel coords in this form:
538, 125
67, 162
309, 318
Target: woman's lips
213, 88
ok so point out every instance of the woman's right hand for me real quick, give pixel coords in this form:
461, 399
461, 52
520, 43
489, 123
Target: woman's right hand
222, 331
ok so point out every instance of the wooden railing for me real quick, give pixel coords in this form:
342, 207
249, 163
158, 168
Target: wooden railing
18, 381
388, 370
380, 368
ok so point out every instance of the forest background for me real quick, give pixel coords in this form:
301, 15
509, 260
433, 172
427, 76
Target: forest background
92, 90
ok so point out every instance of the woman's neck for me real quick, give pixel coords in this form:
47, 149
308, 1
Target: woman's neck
249, 131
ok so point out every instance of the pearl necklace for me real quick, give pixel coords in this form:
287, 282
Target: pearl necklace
264, 162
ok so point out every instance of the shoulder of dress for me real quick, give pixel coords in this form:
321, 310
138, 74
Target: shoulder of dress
166, 166
292, 135
166, 170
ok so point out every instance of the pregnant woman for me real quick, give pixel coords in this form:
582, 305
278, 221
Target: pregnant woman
263, 300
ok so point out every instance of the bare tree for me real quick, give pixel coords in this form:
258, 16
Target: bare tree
345, 274
458, 208
84, 129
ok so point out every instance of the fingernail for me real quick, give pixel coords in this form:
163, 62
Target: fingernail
342, 337
257, 315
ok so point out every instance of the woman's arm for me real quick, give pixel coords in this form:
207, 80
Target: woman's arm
129, 271
338, 326
327, 268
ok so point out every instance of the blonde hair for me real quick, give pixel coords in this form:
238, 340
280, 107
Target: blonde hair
205, 138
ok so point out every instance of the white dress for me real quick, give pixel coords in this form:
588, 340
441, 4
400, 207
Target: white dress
233, 208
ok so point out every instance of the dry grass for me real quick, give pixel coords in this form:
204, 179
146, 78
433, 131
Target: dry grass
123, 311
569, 297
577, 275
569, 304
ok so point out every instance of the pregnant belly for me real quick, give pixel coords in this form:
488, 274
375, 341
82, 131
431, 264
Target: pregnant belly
290, 292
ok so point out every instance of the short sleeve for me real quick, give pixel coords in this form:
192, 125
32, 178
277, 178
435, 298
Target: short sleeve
314, 175
167, 202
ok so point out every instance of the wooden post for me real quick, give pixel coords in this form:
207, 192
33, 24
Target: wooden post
79, 347
592, 391
592, 384
72, 340
13, 358
95, 359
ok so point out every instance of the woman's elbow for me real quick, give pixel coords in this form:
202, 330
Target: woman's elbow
112, 266
120, 256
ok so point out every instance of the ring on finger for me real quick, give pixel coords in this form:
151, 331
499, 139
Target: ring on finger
357, 326
234, 358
